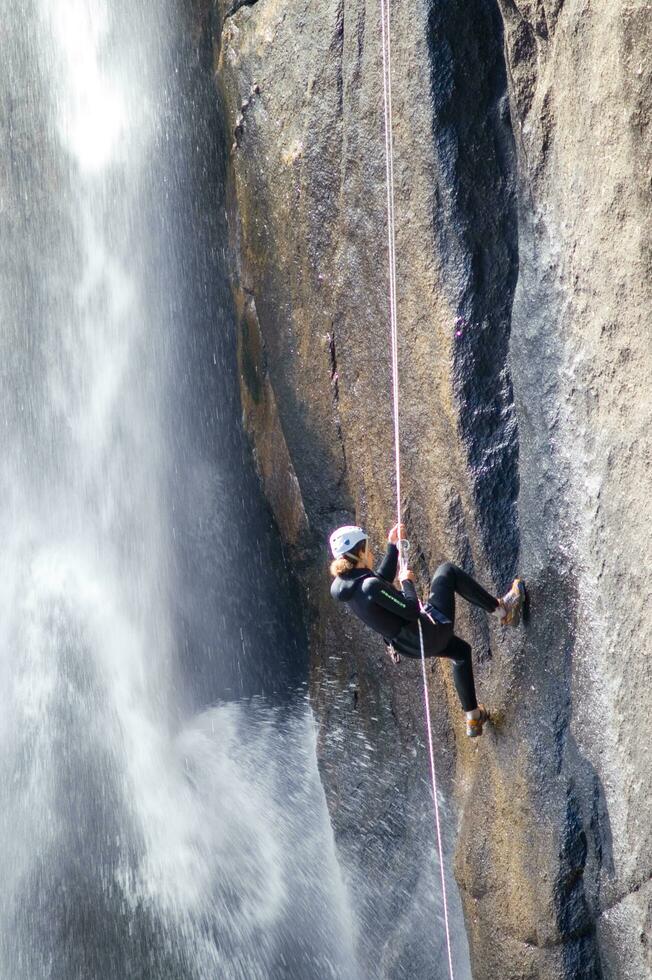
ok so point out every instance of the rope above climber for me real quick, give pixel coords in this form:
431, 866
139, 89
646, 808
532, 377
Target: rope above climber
397, 613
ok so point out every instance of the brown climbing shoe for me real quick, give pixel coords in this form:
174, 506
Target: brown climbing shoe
474, 725
512, 603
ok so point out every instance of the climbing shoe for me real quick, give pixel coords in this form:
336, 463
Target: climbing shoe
474, 725
512, 603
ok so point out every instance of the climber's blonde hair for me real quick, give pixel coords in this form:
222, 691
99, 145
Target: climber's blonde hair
349, 561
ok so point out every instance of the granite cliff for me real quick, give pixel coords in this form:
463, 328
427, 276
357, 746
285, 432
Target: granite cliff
523, 224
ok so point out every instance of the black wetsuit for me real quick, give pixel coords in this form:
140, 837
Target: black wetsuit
395, 615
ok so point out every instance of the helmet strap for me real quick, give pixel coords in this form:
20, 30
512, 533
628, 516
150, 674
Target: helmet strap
349, 554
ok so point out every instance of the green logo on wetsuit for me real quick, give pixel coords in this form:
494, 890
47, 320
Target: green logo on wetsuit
393, 598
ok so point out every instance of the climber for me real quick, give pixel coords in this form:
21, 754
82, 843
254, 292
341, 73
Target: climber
395, 614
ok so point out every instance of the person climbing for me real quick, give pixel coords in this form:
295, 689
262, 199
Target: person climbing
395, 614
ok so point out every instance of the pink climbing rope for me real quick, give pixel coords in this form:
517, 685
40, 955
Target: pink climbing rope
391, 244
393, 318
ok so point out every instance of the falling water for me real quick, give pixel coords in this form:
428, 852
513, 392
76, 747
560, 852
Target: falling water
155, 819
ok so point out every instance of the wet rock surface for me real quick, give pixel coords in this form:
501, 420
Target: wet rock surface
522, 181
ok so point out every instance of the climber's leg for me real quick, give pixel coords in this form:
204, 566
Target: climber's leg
449, 579
459, 652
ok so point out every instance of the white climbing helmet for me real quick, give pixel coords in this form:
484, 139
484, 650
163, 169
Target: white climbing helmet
345, 538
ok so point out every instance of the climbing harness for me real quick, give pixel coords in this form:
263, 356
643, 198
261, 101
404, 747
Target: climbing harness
391, 248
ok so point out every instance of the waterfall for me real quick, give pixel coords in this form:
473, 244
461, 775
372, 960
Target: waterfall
156, 818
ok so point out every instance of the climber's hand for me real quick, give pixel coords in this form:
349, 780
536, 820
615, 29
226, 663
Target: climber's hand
406, 576
397, 534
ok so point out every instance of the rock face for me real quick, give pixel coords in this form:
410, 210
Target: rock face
580, 356
522, 181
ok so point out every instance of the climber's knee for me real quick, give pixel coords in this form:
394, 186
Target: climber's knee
445, 570
459, 651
